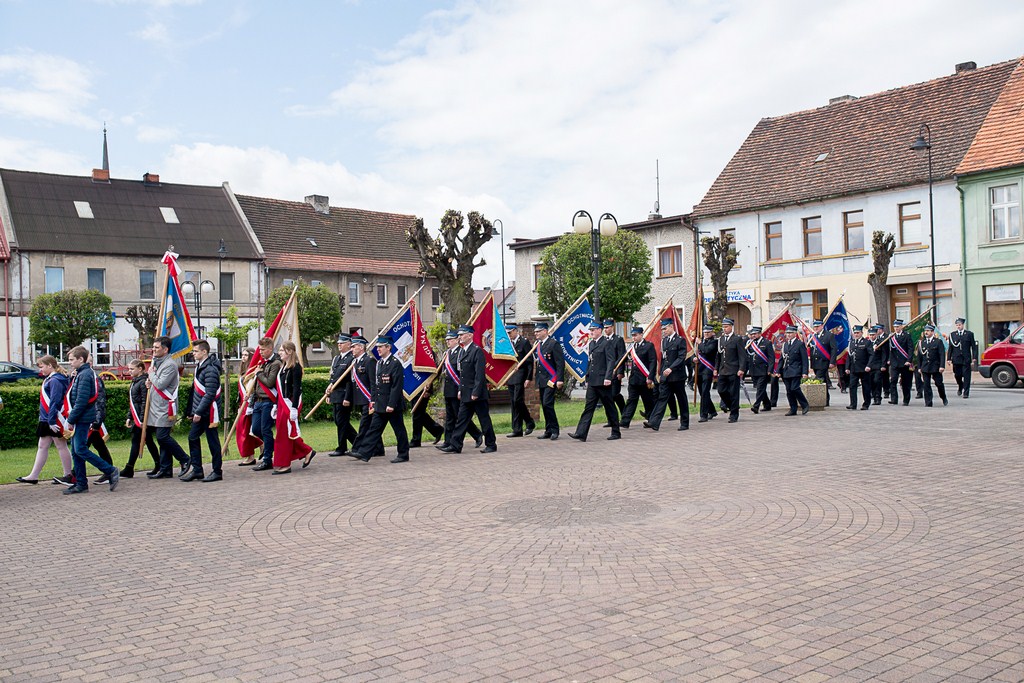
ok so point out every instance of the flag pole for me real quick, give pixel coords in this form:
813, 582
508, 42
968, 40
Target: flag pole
423, 392
649, 327
160, 321
552, 328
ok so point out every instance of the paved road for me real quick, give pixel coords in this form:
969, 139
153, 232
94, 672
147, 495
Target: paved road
842, 545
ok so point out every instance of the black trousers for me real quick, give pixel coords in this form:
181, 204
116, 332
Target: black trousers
136, 449
520, 413
637, 393
822, 374
899, 375
862, 380
375, 431
620, 403
707, 405
962, 375
169, 448
594, 396
452, 406
195, 445
97, 442
773, 390
343, 421
467, 410
918, 381
794, 394
362, 444
729, 391
929, 378
421, 420
879, 384
761, 392
547, 405
676, 390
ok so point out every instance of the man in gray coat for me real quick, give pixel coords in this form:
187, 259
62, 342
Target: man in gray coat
163, 407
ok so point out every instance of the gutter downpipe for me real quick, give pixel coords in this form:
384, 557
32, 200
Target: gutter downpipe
963, 244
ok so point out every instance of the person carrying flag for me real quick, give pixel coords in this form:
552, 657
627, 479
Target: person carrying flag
619, 345
794, 367
204, 415
879, 365
600, 372
473, 394
706, 358
450, 365
549, 370
360, 396
732, 364
822, 347
388, 404
760, 363
671, 378
263, 402
643, 364
932, 354
860, 365
901, 363
517, 382
163, 407
342, 412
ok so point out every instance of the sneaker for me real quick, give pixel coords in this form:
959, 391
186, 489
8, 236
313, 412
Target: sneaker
74, 489
66, 480
114, 477
103, 479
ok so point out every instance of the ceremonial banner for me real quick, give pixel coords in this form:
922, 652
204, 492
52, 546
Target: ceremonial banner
410, 345
573, 333
490, 335
775, 332
915, 328
175, 321
694, 330
838, 319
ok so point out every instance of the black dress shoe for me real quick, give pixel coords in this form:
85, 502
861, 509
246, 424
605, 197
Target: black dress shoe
554, 437
806, 410
529, 430
414, 444
359, 456
442, 446
792, 412
438, 437
212, 476
683, 428
513, 435
545, 435
648, 425
703, 419
919, 396
733, 419
945, 402
23, 480
192, 475
263, 465
613, 437
399, 458
959, 392
877, 401
967, 395
767, 409
480, 441
893, 402
127, 473
287, 470
74, 489
250, 463
865, 406
576, 437
906, 403
160, 474
673, 417
183, 468
308, 459
851, 407
712, 416
623, 425
489, 449
336, 454
754, 409
448, 449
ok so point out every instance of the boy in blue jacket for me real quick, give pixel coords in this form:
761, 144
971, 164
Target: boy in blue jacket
83, 394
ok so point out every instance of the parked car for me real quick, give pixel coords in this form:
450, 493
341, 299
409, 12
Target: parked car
1004, 360
12, 372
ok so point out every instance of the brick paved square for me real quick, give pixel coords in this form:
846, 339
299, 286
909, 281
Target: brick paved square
886, 544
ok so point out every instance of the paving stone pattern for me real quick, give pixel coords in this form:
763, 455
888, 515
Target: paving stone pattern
882, 545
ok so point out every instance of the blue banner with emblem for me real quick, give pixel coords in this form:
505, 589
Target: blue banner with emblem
573, 333
838, 322
403, 345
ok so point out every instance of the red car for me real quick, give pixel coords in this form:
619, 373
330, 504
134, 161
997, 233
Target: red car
1004, 360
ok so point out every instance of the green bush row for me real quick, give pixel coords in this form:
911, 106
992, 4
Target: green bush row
20, 413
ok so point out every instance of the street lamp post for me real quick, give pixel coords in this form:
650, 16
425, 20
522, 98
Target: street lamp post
607, 226
188, 288
500, 233
222, 251
924, 142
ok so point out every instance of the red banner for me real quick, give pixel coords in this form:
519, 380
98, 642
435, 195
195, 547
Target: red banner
423, 359
484, 320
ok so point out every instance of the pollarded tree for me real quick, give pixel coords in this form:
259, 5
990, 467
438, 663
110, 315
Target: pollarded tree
449, 258
144, 319
320, 312
69, 317
883, 244
719, 258
625, 277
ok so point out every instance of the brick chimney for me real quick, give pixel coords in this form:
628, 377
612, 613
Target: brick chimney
966, 66
100, 175
150, 178
320, 203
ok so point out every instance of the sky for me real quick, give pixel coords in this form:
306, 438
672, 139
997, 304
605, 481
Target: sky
525, 111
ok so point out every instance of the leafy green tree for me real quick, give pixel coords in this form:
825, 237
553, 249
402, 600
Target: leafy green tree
69, 317
625, 278
232, 333
320, 312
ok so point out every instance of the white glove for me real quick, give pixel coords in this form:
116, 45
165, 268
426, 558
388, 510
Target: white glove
248, 410
273, 413
55, 429
293, 415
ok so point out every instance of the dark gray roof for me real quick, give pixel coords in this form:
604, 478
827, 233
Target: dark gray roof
127, 218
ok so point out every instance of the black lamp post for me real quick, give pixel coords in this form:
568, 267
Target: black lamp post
582, 223
222, 251
188, 288
500, 233
924, 142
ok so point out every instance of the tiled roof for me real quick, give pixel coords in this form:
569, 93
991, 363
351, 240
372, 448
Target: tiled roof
660, 222
347, 240
1000, 141
867, 141
126, 216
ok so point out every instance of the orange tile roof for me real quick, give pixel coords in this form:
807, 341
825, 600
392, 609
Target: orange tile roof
1000, 140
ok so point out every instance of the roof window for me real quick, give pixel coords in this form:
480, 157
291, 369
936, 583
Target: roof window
821, 157
84, 210
312, 242
169, 215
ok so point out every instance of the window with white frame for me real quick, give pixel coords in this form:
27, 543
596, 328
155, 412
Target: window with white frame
95, 279
382, 295
147, 285
910, 223
403, 294
54, 279
1005, 210
670, 261
353, 293
537, 268
435, 297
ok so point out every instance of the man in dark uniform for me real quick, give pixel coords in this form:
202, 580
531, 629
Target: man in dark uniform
549, 367
671, 378
879, 365
963, 353
793, 367
932, 358
619, 348
822, 345
473, 395
760, 362
704, 361
600, 371
342, 412
360, 397
901, 363
388, 403
732, 364
450, 370
643, 364
518, 382
860, 367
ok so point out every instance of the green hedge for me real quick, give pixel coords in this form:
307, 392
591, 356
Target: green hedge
20, 413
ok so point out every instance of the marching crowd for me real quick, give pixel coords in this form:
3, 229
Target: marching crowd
72, 409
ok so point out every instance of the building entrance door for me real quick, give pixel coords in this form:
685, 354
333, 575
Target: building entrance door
740, 314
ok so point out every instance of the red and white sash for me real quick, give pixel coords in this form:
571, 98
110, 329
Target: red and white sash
639, 364
136, 418
821, 347
362, 387
757, 349
285, 404
896, 345
547, 367
198, 388
46, 402
450, 369
172, 401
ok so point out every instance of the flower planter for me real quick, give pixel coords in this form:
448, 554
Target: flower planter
815, 394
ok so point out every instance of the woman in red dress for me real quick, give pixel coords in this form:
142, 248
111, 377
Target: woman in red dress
288, 443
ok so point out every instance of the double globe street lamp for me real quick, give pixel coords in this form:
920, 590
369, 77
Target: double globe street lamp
189, 289
924, 142
607, 226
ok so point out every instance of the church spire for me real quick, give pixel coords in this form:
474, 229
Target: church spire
106, 160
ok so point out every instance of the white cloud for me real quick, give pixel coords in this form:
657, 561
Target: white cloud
32, 155
156, 32
44, 87
147, 133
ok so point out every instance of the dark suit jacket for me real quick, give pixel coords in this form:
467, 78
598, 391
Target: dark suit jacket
862, 355
962, 347
905, 342
525, 370
338, 367
451, 387
291, 384
647, 354
732, 357
602, 362
793, 361
365, 370
553, 355
820, 361
387, 390
619, 348
932, 354
673, 355
755, 366
708, 348
472, 368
